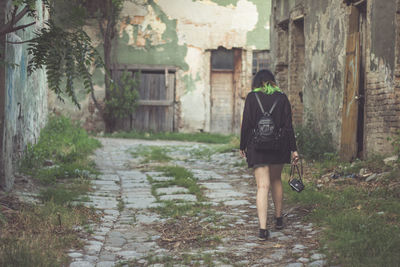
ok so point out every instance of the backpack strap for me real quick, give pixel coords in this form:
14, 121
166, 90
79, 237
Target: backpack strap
261, 107
259, 103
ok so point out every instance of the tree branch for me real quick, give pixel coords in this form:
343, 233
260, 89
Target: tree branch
18, 28
7, 28
96, 104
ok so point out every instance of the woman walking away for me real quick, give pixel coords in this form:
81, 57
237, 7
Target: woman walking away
267, 141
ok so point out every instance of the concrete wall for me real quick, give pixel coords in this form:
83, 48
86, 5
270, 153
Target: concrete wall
181, 33
25, 103
326, 27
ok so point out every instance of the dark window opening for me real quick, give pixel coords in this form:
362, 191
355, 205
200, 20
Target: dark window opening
222, 59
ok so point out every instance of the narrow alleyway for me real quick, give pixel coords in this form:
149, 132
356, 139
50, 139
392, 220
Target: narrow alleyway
132, 231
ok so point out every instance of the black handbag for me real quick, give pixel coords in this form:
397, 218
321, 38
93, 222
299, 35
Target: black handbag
295, 180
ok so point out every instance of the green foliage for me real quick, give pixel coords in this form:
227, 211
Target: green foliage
190, 137
313, 143
123, 97
63, 143
67, 56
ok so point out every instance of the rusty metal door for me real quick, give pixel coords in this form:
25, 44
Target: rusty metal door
221, 101
155, 111
348, 149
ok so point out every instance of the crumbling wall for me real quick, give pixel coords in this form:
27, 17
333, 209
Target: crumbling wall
25, 103
318, 91
382, 103
164, 32
325, 30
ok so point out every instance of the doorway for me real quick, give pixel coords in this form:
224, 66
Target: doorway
222, 90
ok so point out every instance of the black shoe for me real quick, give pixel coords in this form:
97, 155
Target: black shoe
263, 235
279, 223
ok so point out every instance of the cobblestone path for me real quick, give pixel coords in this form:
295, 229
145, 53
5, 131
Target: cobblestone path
223, 232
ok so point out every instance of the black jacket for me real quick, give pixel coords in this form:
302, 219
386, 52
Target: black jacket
282, 116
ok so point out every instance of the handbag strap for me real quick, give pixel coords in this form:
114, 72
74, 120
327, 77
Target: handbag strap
295, 168
261, 107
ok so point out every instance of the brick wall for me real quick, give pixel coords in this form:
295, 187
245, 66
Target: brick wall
382, 107
296, 69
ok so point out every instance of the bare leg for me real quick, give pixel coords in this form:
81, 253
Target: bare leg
263, 182
276, 187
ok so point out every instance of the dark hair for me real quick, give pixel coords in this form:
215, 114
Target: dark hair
262, 77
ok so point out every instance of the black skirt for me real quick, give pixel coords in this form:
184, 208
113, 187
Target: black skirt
265, 157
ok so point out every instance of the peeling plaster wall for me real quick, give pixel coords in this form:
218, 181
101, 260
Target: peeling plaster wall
25, 100
326, 25
324, 31
181, 33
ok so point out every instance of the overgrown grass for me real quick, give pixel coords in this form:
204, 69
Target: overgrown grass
39, 235
193, 137
62, 144
361, 226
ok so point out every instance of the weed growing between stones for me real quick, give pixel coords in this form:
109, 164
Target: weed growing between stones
151, 153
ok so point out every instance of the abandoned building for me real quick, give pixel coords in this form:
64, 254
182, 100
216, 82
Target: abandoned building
196, 60
23, 98
339, 63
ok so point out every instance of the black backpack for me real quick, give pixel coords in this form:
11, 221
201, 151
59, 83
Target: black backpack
266, 135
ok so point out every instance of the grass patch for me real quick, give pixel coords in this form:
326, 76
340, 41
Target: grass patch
192, 137
38, 235
361, 224
151, 153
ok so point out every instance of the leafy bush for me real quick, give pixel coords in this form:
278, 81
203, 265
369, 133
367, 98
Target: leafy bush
62, 143
313, 143
123, 97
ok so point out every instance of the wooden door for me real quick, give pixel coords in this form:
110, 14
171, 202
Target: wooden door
155, 111
221, 101
349, 146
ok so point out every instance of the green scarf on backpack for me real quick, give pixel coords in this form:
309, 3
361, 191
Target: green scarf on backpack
268, 89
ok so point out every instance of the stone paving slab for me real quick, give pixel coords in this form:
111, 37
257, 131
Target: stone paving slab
186, 197
171, 190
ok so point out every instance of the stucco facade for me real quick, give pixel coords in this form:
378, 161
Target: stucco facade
24, 98
183, 34
316, 34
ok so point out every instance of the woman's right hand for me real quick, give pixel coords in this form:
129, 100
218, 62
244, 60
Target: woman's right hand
242, 153
295, 157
